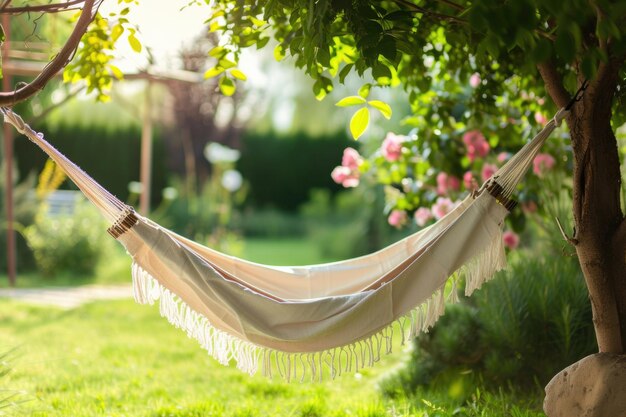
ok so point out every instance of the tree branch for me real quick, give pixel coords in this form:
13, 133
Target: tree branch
453, 5
58, 62
55, 106
42, 8
571, 240
554, 83
418, 9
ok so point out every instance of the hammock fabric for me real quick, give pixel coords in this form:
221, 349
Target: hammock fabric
299, 321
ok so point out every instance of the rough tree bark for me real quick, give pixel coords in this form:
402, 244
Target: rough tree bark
600, 227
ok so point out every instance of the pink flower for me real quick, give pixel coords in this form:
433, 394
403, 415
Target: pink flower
442, 207
476, 144
447, 182
442, 183
397, 218
488, 171
345, 176
422, 216
510, 239
469, 182
540, 118
453, 183
351, 159
392, 147
474, 80
542, 163
503, 157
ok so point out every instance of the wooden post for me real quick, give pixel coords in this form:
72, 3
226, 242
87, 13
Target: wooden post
8, 165
146, 153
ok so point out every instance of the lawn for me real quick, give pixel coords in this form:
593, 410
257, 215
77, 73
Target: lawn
116, 358
122, 359
291, 252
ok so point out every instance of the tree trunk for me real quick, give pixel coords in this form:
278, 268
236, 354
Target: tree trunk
597, 210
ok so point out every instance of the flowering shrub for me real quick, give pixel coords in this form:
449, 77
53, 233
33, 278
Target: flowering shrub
425, 179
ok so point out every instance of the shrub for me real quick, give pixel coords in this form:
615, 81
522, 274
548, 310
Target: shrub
269, 222
68, 242
347, 224
282, 170
521, 328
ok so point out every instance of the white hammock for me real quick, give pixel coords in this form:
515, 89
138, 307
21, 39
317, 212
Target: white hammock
298, 321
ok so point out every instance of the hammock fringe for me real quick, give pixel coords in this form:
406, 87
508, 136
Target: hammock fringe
251, 358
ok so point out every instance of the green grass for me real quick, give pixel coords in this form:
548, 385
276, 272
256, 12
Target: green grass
122, 359
117, 358
290, 252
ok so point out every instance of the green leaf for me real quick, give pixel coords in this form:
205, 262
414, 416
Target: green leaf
381, 71
217, 52
215, 26
134, 43
227, 86
323, 57
588, 66
359, 122
491, 45
279, 52
350, 101
387, 47
116, 32
117, 73
364, 91
226, 63
382, 107
565, 45
344, 72
262, 42
238, 74
542, 50
213, 72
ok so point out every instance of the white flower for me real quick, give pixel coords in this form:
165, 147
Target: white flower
135, 187
169, 193
232, 180
216, 153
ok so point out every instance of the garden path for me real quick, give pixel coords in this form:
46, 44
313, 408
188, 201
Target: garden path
67, 297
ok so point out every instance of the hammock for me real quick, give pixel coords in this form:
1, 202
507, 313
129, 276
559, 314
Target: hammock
300, 321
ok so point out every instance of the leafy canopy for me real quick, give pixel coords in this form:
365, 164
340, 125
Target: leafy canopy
420, 44
465, 65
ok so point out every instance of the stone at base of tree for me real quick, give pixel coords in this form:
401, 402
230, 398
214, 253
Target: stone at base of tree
595, 386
